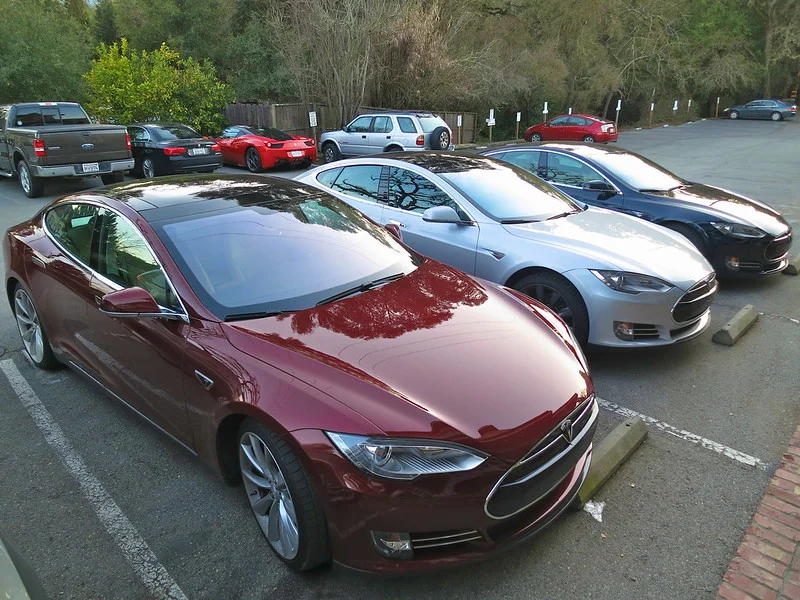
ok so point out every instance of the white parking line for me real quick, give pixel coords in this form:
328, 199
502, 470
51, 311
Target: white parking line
141, 558
686, 435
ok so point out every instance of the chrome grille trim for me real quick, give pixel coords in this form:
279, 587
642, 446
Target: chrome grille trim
589, 411
701, 292
781, 253
434, 541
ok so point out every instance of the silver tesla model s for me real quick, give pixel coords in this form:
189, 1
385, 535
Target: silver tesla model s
616, 280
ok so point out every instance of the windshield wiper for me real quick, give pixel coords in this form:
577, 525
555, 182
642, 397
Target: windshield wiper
657, 191
558, 216
361, 288
255, 315
516, 221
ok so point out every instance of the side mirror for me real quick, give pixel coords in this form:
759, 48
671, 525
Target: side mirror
598, 186
394, 230
442, 214
133, 303
346, 129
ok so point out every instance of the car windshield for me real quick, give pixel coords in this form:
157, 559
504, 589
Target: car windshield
270, 132
638, 172
279, 254
168, 133
509, 194
431, 123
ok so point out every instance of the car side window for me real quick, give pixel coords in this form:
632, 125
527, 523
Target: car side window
415, 193
28, 116
406, 125
574, 121
327, 178
138, 134
569, 171
382, 125
72, 226
558, 122
230, 132
125, 258
527, 159
360, 181
585, 122
361, 125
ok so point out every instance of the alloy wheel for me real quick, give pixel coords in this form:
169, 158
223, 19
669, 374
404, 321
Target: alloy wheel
24, 177
444, 140
536, 137
329, 154
253, 160
554, 300
776, 116
28, 323
148, 168
269, 495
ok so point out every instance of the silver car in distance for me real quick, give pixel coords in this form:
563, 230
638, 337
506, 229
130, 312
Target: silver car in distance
614, 279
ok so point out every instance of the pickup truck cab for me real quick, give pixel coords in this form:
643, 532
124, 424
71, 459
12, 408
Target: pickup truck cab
57, 139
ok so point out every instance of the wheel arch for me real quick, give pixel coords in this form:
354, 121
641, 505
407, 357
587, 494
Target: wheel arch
10, 285
525, 271
393, 147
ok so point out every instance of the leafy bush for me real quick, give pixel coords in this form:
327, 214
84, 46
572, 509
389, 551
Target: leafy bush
127, 86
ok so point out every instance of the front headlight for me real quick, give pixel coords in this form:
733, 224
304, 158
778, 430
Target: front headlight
737, 230
631, 283
405, 459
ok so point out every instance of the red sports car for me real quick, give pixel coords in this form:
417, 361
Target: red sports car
259, 148
381, 409
574, 128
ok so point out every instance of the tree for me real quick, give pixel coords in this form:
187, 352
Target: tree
780, 30
105, 23
128, 86
43, 52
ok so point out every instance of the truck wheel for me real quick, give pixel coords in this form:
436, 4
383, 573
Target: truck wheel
116, 177
32, 186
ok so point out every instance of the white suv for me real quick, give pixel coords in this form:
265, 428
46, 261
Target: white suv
387, 132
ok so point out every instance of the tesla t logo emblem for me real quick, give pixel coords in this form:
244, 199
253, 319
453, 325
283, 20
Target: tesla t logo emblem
566, 430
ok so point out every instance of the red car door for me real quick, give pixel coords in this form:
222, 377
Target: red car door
139, 359
226, 144
556, 129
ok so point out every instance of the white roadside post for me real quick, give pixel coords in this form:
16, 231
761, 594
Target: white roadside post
570, 111
689, 105
490, 123
652, 108
675, 110
545, 111
519, 118
312, 121
619, 108
716, 110
459, 122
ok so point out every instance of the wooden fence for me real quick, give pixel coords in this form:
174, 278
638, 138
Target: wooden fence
293, 118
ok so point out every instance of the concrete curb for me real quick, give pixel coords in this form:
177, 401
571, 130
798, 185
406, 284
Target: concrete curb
734, 329
609, 455
793, 268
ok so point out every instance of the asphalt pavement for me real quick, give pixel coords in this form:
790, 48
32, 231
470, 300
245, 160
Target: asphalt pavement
673, 514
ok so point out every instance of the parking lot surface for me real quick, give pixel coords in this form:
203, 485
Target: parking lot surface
674, 513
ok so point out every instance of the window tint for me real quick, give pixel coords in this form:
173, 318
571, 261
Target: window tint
230, 132
72, 114
125, 258
51, 116
568, 171
28, 116
328, 177
413, 192
138, 134
72, 226
406, 125
360, 182
167, 133
361, 124
558, 122
527, 159
382, 125
574, 121
270, 132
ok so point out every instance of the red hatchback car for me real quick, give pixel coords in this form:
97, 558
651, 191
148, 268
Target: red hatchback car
259, 148
382, 410
584, 128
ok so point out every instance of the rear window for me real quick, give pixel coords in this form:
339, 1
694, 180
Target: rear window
61, 114
272, 133
28, 116
431, 123
72, 114
167, 133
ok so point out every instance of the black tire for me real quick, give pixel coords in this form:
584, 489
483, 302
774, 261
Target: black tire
558, 294
48, 362
148, 167
690, 234
330, 153
536, 137
252, 160
32, 186
313, 548
776, 116
115, 177
440, 138
588, 138
393, 149
734, 114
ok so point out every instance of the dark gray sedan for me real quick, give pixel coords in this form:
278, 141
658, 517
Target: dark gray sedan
761, 109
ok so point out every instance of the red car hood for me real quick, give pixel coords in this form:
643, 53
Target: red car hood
435, 355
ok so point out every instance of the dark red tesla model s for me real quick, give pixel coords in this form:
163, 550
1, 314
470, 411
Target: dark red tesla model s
383, 410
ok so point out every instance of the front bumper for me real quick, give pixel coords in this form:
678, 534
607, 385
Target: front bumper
764, 256
76, 170
650, 312
445, 508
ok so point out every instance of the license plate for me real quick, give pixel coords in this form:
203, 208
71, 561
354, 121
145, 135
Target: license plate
197, 151
91, 167
296, 153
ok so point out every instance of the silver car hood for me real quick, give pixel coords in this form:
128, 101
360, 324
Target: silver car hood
610, 240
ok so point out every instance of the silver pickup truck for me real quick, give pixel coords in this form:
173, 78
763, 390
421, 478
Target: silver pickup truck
57, 139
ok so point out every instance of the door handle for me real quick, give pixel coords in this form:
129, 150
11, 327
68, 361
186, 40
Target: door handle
363, 137
98, 300
37, 261
398, 223
388, 137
